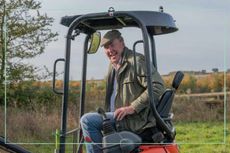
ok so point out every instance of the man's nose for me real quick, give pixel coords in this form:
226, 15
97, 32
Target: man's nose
111, 49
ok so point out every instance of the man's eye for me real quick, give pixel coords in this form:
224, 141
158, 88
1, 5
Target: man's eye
106, 47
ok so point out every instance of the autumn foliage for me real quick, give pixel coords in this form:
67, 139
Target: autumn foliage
36, 94
213, 82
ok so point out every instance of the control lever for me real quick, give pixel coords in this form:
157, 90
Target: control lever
107, 125
102, 113
114, 142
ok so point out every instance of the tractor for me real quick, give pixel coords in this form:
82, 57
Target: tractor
150, 23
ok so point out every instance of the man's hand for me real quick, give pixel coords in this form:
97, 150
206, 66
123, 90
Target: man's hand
120, 113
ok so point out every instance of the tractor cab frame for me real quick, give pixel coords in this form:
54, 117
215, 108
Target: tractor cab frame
150, 23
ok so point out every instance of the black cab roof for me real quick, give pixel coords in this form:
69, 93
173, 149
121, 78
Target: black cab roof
156, 22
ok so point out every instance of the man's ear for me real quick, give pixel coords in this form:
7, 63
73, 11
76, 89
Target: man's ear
123, 43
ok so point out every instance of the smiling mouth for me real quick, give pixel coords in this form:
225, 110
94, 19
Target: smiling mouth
113, 57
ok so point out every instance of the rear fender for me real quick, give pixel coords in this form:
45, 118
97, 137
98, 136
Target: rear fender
166, 148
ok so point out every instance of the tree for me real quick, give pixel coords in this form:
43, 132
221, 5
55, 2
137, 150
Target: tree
27, 33
189, 83
216, 83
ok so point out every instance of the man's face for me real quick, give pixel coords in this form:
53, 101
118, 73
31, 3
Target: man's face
114, 50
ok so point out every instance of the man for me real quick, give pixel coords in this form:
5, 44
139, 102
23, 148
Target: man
127, 103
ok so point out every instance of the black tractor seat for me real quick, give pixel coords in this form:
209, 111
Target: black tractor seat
164, 107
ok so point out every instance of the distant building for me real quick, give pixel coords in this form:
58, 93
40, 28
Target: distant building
215, 70
203, 71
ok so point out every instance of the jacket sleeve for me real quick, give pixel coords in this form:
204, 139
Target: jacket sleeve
157, 84
109, 79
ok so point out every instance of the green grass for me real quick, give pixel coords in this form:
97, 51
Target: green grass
192, 137
48, 148
202, 137
200, 132
204, 148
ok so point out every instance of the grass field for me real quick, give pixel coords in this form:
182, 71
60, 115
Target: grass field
192, 137
196, 137
202, 137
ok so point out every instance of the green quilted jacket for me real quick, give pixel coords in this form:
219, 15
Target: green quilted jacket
132, 90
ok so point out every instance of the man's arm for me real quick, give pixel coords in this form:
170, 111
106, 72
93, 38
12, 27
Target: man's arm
157, 84
142, 101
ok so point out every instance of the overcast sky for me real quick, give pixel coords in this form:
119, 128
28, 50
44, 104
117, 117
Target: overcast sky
202, 42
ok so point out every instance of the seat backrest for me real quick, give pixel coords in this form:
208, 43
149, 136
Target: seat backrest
163, 108
177, 79
165, 103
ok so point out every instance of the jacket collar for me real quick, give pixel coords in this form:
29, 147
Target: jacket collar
124, 60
